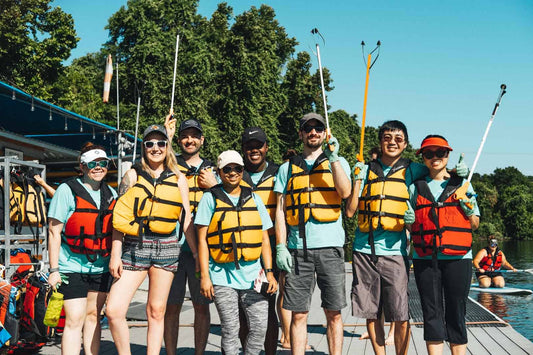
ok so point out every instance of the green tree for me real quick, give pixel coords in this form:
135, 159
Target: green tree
34, 40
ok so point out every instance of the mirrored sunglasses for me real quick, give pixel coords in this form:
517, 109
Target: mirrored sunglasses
397, 139
308, 128
151, 144
228, 169
439, 153
94, 164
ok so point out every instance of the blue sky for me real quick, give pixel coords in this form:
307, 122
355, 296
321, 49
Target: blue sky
440, 68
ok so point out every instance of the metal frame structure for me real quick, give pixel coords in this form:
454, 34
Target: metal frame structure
10, 241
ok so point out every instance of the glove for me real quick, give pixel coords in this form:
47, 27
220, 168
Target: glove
468, 210
283, 257
461, 169
333, 156
409, 216
359, 176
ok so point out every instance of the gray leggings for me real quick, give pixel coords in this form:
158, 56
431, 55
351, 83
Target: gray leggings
255, 306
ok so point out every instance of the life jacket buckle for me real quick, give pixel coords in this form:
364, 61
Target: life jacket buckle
311, 205
381, 213
440, 204
382, 197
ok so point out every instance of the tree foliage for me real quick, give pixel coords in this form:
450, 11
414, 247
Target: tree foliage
34, 40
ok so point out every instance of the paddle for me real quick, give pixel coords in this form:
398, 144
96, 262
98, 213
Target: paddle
530, 271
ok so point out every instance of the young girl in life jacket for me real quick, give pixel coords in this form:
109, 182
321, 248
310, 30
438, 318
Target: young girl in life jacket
442, 240
232, 224
488, 262
154, 197
78, 246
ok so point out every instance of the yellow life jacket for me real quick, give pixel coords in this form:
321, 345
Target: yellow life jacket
26, 203
153, 204
234, 232
311, 192
264, 187
192, 173
383, 200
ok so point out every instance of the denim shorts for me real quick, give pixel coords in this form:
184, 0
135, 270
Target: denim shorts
325, 267
150, 250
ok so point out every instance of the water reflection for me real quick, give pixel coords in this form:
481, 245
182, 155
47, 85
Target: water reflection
494, 303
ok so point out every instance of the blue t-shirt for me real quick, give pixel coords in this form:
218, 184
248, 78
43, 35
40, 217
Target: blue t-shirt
318, 234
437, 187
227, 274
387, 242
61, 208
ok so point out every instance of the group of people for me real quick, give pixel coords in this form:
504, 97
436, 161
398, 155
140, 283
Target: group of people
239, 229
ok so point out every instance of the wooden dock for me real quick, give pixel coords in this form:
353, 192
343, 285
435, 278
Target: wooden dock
491, 338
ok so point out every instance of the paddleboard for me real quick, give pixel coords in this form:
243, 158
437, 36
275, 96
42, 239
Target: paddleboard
501, 290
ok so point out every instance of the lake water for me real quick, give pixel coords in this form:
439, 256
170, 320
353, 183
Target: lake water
516, 310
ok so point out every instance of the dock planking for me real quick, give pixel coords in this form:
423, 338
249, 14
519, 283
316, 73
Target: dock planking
481, 339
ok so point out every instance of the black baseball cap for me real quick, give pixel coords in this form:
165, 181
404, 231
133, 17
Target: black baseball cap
155, 128
253, 134
190, 123
311, 116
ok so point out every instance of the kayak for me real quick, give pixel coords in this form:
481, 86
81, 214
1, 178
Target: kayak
501, 290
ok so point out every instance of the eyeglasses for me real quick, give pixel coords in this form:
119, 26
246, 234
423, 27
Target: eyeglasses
150, 144
93, 164
308, 128
398, 139
228, 169
439, 153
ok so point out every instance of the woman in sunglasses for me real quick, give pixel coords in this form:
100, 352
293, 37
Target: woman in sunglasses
154, 197
441, 232
489, 262
232, 224
79, 245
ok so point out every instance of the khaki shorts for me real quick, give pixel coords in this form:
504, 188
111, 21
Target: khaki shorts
380, 287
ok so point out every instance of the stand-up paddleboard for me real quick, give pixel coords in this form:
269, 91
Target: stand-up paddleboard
501, 290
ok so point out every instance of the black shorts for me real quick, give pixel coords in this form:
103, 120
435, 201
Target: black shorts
490, 274
80, 284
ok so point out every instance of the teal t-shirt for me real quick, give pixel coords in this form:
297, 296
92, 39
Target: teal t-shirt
61, 208
183, 241
318, 234
437, 187
227, 274
387, 242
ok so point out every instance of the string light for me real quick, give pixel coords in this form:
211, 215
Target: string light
50, 116
81, 127
66, 127
32, 106
104, 135
94, 137
13, 97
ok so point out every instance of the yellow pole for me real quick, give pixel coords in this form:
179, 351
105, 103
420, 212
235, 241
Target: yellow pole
360, 156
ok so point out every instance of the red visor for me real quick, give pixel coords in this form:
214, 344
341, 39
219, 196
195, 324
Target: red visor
434, 142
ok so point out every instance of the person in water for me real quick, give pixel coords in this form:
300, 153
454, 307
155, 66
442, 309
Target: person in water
488, 263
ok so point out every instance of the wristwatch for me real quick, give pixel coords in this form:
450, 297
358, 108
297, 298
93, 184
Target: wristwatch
268, 270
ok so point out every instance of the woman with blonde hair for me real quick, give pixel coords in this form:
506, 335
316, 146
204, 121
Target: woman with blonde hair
154, 197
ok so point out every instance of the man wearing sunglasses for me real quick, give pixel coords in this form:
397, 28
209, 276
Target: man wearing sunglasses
309, 234
200, 176
380, 265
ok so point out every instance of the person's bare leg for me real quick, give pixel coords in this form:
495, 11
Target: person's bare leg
118, 301
434, 347
284, 315
202, 323
484, 281
159, 287
498, 281
299, 332
458, 349
335, 331
402, 334
172, 328
91, 327
390, 337
75, 312
377, 335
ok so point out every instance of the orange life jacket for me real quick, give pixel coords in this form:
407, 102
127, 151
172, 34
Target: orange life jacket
88, 230
491, 262
440, 225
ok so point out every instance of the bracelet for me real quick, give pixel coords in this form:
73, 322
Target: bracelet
268, 270
54, 269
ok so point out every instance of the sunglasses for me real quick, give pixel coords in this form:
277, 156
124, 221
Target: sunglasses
309, 128
228, 169
397, 139
93, 164
150, 144
439, 153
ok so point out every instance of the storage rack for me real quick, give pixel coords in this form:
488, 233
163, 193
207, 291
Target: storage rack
26, 240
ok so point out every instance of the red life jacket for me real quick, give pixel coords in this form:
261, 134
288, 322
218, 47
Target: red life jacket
491, 262
440, 226
88, 230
